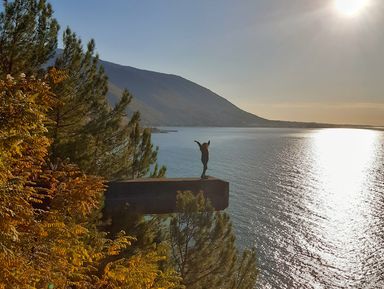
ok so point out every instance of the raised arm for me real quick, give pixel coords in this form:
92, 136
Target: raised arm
198, 143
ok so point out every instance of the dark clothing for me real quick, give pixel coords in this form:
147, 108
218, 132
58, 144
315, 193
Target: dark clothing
204, 156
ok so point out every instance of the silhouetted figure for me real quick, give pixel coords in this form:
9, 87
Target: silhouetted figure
204, 156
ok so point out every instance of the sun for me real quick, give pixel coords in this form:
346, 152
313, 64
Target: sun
350, 7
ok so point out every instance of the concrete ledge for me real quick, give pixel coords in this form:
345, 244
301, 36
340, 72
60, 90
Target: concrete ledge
158, 196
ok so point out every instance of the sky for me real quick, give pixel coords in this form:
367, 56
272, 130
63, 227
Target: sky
301, 60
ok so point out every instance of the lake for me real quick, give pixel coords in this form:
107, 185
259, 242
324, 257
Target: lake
310, 200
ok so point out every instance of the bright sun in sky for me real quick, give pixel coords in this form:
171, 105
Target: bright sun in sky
351, 7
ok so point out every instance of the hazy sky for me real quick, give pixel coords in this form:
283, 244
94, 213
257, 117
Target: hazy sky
281, 59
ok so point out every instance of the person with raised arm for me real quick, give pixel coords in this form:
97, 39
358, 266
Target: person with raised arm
204, 156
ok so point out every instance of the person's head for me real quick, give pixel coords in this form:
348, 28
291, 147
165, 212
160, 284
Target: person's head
206, 145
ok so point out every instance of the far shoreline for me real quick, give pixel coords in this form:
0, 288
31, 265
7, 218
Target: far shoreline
173, 128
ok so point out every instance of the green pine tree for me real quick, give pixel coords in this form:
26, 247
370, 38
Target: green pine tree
203, 247
87, 130
28, 36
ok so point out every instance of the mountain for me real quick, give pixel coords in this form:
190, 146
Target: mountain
170, 100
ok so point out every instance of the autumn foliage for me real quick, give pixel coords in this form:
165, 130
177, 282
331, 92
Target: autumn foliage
49, 211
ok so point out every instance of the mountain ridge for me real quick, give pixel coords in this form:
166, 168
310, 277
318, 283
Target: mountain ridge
171, 100
165, 99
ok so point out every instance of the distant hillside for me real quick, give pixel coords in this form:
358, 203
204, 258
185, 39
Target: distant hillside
170, 100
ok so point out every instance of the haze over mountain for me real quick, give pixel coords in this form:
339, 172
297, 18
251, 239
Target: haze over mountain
170, 100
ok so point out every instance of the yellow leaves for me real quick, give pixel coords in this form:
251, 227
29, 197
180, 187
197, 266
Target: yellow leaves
114, 250
22, 112
48, 213
59, 251
56, 76
57, 225
16, 147
43, 234
140, 271
118, 245
23, 147
79, 230
77, 260
97, 255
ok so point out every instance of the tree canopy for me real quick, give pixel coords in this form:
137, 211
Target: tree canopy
28, 36
203, 247
49, 211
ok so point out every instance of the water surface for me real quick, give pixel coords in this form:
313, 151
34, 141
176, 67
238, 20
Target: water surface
310, 200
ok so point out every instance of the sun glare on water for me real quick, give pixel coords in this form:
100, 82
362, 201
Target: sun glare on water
350, 8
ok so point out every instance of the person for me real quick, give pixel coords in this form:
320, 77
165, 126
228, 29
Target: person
204, 156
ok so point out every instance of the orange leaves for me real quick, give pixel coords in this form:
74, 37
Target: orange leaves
56, 76
23, 147
140, 271
70, 192
49, 212
23, 104
119, 244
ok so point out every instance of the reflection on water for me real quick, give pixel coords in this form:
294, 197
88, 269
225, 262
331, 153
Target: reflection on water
311, 201
343, 163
